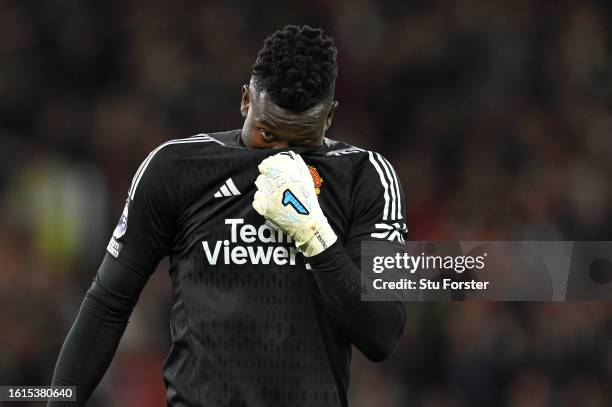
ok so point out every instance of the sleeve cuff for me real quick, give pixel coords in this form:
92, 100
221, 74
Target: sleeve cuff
332, 258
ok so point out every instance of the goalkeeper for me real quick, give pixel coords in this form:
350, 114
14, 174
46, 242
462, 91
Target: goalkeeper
263, 228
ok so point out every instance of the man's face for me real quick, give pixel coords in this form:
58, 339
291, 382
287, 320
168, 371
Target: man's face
267, 125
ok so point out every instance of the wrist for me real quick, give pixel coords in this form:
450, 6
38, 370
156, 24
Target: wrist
315, 238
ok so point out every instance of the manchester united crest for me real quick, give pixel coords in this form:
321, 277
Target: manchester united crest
316, 178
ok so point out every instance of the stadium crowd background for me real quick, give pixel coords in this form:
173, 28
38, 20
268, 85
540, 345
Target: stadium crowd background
496, 115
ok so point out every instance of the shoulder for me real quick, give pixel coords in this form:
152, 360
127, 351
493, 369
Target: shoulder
375, 183
363, 160
173, 148
335, 148
161, 164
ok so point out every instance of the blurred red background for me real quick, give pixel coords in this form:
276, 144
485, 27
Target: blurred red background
495, 114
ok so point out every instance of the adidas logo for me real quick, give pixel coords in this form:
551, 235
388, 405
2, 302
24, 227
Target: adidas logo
227, 189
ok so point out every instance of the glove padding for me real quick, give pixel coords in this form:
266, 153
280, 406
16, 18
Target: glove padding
286, 197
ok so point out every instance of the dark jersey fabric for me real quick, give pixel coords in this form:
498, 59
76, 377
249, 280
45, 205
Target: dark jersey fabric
252, 323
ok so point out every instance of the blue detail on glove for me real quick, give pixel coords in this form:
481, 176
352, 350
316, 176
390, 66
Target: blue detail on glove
290, 199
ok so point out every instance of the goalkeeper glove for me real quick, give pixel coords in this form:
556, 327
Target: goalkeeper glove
286, 197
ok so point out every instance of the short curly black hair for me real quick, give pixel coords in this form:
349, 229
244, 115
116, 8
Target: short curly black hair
297, 67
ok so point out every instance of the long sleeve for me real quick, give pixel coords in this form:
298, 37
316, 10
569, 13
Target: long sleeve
374, 327
141, 239
377, 213
93, 339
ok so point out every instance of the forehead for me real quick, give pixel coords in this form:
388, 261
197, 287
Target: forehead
265, 111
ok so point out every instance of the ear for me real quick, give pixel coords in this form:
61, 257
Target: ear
330, 115
245, 102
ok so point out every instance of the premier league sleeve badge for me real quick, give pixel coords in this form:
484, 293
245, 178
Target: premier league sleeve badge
122, 225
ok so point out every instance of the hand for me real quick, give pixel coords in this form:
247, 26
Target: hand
286, 197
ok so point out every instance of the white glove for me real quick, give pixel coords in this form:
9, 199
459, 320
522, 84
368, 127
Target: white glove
286, 197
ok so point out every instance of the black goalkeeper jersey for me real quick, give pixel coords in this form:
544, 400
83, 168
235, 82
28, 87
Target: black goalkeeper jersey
249, 325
